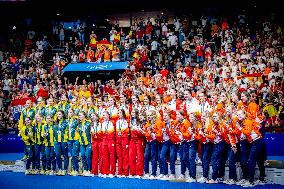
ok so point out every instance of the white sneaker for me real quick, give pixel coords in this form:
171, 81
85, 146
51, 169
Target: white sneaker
137, 177
230, 182
190, 179
220, 180
241, 182
84, 173
27, 172
146, 176
104, 176
122, 176
110, 175
181, 177
198, 161
118, 176
160, 176
172, 176
131, 176
259, 182
100, 175
51, 172
202, 180
89, 174
248, 184
152, 177
165, 177
211, 181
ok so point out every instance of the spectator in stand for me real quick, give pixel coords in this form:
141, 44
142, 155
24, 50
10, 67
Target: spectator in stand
90, 55
111, 34
106, 54
81, 33
115, 54
200, 50
82, 56
74, 58
93, 40
126, 49
61, 35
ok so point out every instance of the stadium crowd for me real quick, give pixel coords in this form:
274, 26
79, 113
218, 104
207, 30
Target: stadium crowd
210, 89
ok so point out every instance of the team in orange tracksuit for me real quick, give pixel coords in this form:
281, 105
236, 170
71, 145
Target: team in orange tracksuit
174, 104
218, 163
184, 125
136, 146
176, 138
251, 109
96, 132
253, 112
159, 106
108, 146
220, 107
207, 146
191, 135
232, 140
164, 141
250, 128
151, 149
122, 143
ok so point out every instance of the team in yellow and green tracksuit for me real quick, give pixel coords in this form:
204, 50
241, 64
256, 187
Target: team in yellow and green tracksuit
40, 107
28, 111
27, 135
48, 141
39, 148
73, 140
91, 107
50, 109
74, 106
60, 142
63, 105
85, 143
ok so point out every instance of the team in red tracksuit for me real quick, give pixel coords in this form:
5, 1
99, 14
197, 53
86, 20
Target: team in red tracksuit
112, 110
122, 143
100, 109
135, 104
96, 132
136, 146
123, 105
108, 147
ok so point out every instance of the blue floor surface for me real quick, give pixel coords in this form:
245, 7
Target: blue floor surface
11, 156
10, 180
18, 156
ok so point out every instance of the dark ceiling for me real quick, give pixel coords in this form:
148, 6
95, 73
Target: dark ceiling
46, 9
